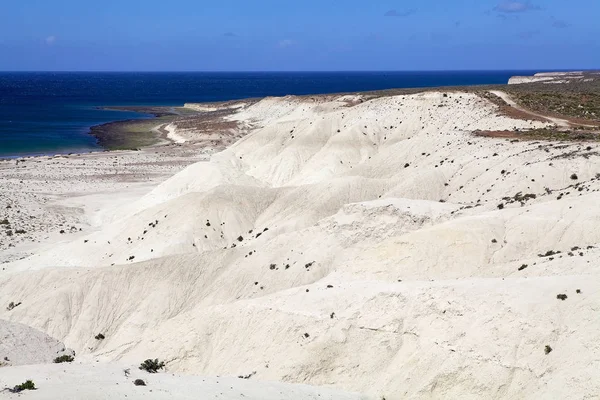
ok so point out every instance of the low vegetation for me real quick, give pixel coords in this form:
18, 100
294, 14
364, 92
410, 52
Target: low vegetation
574, 105
12, 305
64, 358
522, 267
27, 385
559, 134
549, 253
152, 366
250, 375
520, 198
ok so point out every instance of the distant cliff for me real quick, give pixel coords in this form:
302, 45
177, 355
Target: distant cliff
556, 77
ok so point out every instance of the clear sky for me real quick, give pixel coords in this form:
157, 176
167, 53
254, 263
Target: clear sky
314, 35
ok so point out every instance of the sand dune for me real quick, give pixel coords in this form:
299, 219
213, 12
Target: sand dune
374, 245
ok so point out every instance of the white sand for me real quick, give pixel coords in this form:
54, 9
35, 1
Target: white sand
108, 381
351, 244
23, 345
173, 135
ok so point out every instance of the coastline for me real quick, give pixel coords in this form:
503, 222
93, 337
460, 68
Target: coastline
121, 134
157, 128
130, 134
133, 134
322, 84
52, 198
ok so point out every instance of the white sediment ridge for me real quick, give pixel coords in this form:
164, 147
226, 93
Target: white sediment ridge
347, 247
173, 135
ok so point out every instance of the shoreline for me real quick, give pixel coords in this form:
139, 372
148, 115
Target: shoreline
133, 134
109, 141
69, 194
122, 134
137, 134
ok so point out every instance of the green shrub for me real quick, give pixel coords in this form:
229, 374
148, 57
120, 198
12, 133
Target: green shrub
27, 385
64, 358
152, 366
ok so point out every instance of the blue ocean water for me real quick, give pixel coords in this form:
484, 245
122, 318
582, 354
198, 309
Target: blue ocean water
47, 113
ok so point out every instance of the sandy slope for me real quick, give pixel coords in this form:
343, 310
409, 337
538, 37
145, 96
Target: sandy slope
42, 196
374, 245
109, 381
23, 345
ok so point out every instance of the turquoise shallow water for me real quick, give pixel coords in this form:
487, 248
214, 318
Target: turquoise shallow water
47, 113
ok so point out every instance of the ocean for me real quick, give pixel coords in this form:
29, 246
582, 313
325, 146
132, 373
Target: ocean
50, 113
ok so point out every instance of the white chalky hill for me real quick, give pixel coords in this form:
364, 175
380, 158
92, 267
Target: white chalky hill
370, 245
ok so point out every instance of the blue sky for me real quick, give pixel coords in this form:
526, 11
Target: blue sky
315, 35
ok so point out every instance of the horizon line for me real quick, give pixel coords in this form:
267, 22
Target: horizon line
306, 71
